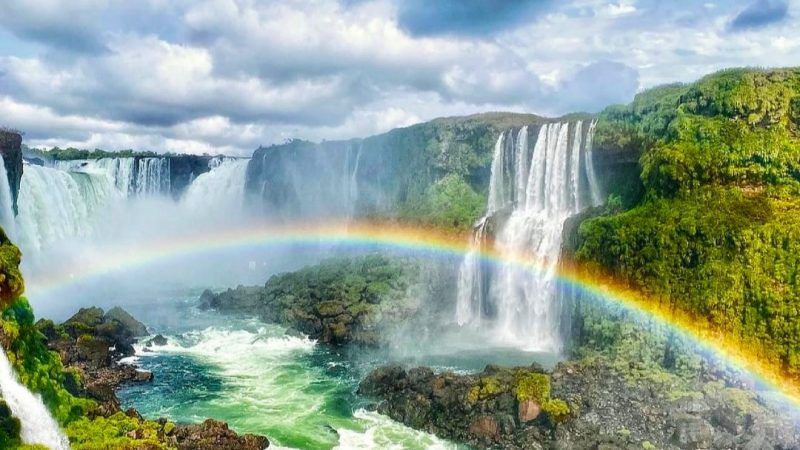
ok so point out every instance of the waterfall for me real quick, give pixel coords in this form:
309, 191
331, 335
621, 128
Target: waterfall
37, 425
221, 187
129, 175
6, 204
350, 175
119, 170
152, 176
531, 194
594, 186
54, 204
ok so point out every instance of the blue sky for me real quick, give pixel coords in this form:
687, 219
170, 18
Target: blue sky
229, 75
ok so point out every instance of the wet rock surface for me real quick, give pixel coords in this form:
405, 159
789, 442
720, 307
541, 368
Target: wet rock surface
92, 342
607, 407
11, 151
339, 301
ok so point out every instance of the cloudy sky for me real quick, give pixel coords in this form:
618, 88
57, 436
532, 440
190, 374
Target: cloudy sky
225, 76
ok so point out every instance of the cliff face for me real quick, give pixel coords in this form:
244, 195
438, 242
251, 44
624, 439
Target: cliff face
416, 173
185, 168
716, 232
11, 150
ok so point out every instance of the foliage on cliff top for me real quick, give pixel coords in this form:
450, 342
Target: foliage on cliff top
717, 233
738, 127
349, 283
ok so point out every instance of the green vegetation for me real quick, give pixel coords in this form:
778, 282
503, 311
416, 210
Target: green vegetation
717, 234
37, 367
536, 387
450, 202
66, 154
11, 283
117, 431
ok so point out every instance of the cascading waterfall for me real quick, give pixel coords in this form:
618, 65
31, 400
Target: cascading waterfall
221, 187
6, 204
119, 170
37, 426
531, 194
152, 176
129, 175
54, 204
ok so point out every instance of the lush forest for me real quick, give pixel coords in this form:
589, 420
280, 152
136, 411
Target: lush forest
716, 232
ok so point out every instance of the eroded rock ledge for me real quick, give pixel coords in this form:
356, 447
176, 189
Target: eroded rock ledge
339, 301
584, 404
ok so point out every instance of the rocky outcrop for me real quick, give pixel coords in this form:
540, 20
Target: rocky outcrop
586, 404
214, 435
92, 342
339, 301
11, 150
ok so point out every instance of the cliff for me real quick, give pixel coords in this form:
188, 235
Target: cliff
11, 150
435, 172
715, 230
183, 169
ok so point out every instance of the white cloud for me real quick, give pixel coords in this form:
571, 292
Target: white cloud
229, 75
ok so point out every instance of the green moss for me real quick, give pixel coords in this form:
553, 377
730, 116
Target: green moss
38, 368
536, 387
533, 386
556, 408
487, 387
118, 431
11, 283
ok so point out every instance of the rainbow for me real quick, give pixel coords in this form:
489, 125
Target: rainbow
428, 241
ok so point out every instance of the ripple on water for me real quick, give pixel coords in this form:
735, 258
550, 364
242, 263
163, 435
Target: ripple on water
260, 380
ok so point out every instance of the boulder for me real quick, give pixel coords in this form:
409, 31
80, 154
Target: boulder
157, 340
215, 435
484, 427
693, 433
528, 410
133, 326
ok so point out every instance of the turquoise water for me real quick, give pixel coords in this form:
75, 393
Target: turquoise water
261, 380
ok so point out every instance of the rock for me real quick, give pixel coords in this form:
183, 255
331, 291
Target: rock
215, 435
11, 151
383, 379
484, 427
143, 376
185, 168
693, 433
158, 340
93, 351
528, 410
136, 328
606, 408
338, 301
84, 319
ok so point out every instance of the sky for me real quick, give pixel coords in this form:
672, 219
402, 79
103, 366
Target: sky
226, 76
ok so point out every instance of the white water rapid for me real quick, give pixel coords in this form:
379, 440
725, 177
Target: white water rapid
37, 426
531, 194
